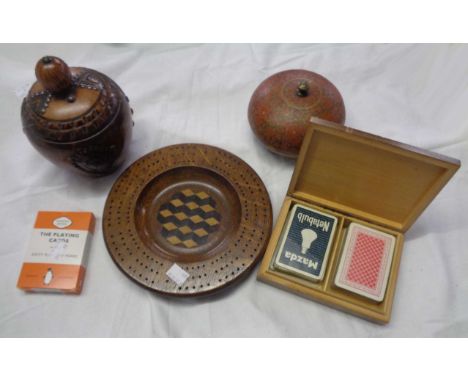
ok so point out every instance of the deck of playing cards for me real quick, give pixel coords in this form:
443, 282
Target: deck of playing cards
365, 262
58, 252
305, 243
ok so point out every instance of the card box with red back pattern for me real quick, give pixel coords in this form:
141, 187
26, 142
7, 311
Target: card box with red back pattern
375, 188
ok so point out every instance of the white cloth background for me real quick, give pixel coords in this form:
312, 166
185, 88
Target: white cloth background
417, 94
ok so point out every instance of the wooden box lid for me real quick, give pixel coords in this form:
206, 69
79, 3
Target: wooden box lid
367, 176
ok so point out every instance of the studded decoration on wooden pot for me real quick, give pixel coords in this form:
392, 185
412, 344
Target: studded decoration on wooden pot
281, 107
77, 118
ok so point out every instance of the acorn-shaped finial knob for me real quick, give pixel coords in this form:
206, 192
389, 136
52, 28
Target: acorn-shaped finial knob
54, 74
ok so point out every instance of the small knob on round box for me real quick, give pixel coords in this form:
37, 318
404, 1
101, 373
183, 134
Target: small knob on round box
54, 74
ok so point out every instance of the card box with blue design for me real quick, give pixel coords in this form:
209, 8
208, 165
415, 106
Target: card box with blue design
361, 180
306, 243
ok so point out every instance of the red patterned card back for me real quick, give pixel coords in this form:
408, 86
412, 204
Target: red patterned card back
365, 262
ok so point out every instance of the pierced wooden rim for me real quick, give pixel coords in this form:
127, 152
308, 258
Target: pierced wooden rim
145, 265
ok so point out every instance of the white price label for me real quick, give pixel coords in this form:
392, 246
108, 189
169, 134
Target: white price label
177, 274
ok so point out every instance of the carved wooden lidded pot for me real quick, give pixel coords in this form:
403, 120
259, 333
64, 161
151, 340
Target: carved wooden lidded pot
77, 117
281, 107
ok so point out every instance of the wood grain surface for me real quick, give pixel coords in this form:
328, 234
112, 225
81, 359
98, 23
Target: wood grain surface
77, 118
362, 178
197, 206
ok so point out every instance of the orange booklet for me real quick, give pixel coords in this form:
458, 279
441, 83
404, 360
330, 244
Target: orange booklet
57, 253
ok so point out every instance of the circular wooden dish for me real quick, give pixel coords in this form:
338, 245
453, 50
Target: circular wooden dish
195, 205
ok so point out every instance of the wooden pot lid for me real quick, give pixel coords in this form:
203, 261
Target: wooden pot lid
70, 104
193, 205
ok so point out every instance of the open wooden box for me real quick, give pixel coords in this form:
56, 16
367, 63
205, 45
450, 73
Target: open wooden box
358, 177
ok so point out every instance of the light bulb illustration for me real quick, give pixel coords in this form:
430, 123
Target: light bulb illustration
48, 276
308, 237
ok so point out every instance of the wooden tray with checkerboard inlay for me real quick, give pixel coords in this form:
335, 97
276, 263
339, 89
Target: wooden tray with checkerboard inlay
197, 206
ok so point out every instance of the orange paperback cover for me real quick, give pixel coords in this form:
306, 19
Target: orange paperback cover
57, 253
